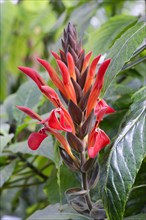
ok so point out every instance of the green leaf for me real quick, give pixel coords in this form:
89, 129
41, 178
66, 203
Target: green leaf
4, 140
46, 148
125, 160
57, 212
102, 38
27, 95
121, 52
6, 172
9, 106
136, 217
55, 189
137, 199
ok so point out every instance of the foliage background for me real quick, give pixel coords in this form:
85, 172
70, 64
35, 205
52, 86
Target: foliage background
31, 29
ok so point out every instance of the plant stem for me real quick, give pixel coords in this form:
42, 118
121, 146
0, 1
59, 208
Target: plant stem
38, 172
85, 183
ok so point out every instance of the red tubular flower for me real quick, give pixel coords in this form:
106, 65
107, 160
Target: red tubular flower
67, 81
71, 66
51, 95
86, 61
58, 120
33, 75
91, 74
97, 86
53, 75
59, 123
97, 140
29, 112
101, 109
55, 55
36, 138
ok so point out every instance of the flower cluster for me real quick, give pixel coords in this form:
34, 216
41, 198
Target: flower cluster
78, 109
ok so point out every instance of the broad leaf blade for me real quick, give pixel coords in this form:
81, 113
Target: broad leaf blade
6, 172
103, 38
57, 212
122, 51
46, 148
27, 95
125, 159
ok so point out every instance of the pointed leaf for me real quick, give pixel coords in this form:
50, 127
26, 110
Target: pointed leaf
125, 159
119, 53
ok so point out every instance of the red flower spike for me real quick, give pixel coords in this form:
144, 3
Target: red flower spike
86, 61
91, 74
51, 95
35, 139
33, 75
101, 109
97, 86
55, 55
67, 82
97, 141
53, 75
58, 123
71, 66
29, 112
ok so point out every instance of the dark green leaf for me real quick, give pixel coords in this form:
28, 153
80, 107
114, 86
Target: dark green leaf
136, 217
125, 160
121, 52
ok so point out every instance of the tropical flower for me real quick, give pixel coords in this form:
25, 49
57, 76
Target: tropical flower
78, 109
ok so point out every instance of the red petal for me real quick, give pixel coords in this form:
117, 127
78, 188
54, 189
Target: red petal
35, 139
29, 112
53, 75
33, 75
51, 95
71, 66
54, 123
86, 61
91, 74
97, 87
101, 109
101, 140
57, 57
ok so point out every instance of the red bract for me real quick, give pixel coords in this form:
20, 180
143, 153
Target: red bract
97, 141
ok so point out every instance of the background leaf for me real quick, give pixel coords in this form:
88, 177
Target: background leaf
125, 159
101, 39
46, 148
6, 172
57, 212
121, 52
27, 95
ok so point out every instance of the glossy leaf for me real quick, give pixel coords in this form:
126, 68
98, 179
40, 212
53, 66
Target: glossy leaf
119, 53
125, 159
